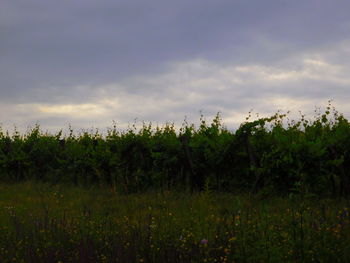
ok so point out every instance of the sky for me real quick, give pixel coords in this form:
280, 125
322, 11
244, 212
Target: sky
90, 63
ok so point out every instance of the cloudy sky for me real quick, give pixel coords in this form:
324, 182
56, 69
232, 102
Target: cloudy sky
91, 62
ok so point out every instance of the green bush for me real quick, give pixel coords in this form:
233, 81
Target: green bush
269, 153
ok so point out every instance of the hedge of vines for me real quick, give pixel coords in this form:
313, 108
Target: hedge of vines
275, 153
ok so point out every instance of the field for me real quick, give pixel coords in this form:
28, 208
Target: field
57, 223
274, 190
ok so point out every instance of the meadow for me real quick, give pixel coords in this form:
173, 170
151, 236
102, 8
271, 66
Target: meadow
43, 223
274, 190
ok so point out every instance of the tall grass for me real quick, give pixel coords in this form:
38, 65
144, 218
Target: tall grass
42, 223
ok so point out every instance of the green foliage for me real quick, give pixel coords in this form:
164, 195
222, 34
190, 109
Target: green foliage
273, 154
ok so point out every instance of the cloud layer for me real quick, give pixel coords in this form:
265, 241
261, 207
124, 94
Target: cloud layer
90, 62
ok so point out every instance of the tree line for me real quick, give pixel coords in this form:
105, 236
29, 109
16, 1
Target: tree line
272, 154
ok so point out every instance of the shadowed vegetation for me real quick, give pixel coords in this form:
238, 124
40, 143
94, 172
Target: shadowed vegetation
274, 190
270, 154
42, 223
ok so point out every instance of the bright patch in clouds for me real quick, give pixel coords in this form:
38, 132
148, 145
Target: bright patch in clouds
78, 111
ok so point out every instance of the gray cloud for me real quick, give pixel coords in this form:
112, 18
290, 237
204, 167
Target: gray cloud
190, 86
160, 60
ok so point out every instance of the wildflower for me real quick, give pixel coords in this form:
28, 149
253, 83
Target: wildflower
204, 241
232, 239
